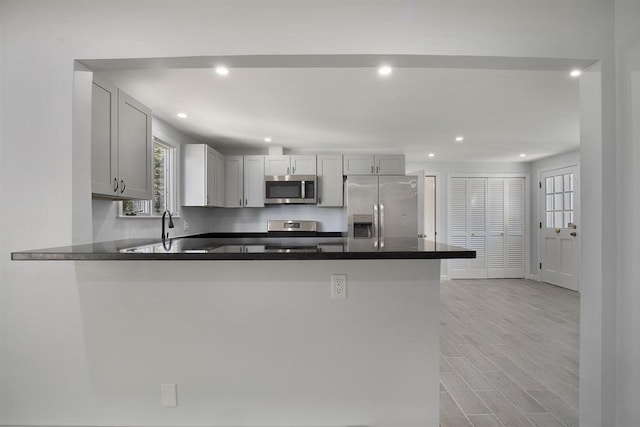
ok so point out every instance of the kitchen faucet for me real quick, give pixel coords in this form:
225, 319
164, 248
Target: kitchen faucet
164, 214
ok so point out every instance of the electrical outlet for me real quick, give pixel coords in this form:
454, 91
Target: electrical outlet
338, 286
169, 395
186, 225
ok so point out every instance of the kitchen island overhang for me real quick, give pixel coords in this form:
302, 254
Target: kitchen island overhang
248, 246
265, 342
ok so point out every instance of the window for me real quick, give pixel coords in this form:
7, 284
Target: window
559, 201
164, 184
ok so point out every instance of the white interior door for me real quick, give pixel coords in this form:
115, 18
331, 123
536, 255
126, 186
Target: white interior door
559, 199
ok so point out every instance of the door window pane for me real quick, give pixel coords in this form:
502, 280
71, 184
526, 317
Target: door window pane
549, 219
557, 184
548, 185
549, 204
557, 219
557, 205
568, 182
568, 201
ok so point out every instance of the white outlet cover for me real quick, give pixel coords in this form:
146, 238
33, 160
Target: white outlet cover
338, 286
169, 393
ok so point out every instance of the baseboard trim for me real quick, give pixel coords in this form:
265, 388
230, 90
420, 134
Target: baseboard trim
532, 277
444, 277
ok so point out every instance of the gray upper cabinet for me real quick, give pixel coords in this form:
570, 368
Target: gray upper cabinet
374, 164
135, 148
330, 185
294, 164
233, 181
203, 176
254, 181
121, 144
244, 181
303, 164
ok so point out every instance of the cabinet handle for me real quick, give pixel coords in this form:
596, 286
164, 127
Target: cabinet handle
115, 185
123, 186
207, 199
371, 169
246, 202
240, 202
319, 200
377, 169
288, 171
293, 170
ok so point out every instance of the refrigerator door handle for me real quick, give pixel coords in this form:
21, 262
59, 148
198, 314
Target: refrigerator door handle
381, 225
375, 225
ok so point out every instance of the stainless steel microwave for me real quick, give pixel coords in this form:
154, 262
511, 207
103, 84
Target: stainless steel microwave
290, 189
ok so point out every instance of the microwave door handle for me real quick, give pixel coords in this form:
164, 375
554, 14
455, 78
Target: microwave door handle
304, 189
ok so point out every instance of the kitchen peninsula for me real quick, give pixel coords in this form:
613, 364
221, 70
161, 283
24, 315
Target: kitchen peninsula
263, 334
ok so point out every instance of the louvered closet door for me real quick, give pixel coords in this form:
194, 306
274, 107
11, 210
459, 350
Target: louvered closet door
496, 248
467, 226
457, 225
505, 221
515, 228
477, 237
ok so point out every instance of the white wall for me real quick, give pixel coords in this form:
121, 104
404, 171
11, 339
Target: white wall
627, 317
43, 176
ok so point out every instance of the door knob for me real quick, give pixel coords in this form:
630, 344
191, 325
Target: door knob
573, 233
557, 230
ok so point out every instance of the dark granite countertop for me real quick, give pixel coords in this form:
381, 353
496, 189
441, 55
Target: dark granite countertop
248, 246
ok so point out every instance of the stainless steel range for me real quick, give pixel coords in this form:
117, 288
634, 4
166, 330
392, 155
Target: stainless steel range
279, 225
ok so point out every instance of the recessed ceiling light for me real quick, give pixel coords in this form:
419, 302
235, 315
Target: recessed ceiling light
523, 155
222, 70
575, 73
431, 154
267, 139
384, 70
182, 115
459, 138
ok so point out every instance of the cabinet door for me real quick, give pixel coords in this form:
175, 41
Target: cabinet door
135, 149
358, 164
277, 165
389, 164
104, 139
233, 181
330, 186
219, 180
303, 165
254, 181
210, 187
194, 175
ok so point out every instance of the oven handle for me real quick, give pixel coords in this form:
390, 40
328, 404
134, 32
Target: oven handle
304, 189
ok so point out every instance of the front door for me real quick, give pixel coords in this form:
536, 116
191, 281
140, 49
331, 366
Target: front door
560, 216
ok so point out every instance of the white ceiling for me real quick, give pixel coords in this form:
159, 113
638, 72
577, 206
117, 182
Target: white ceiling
416, 110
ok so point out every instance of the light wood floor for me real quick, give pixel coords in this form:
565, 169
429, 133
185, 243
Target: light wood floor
508, 354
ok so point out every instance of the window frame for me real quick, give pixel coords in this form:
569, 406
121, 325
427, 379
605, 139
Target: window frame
173, 169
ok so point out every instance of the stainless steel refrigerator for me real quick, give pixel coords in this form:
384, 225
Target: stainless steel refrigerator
381, 207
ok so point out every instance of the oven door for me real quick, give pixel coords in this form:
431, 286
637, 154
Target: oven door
290, 189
